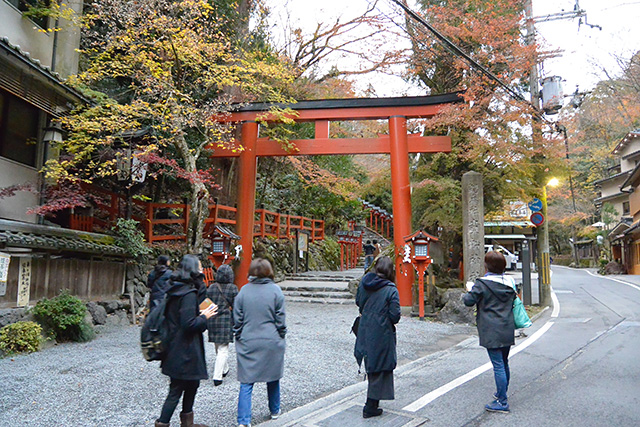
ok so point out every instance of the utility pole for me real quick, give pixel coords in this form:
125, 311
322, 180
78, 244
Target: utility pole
544, 271
543, 262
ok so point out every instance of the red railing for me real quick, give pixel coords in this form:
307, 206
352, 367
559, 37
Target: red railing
279, 225
170, 221
379, 220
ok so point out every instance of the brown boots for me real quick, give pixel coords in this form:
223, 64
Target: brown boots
186, 420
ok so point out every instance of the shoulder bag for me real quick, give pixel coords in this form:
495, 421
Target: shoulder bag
520, 316
223, 297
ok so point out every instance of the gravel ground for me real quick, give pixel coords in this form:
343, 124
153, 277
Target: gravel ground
106, 382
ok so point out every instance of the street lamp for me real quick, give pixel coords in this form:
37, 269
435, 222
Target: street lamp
544, 270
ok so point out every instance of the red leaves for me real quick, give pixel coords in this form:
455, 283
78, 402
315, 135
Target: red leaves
65, 195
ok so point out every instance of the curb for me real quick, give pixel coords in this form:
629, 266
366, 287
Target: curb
338, 397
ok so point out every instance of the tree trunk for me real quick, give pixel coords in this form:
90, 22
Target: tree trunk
199, 213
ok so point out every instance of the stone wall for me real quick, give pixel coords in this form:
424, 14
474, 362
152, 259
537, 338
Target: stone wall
102, 315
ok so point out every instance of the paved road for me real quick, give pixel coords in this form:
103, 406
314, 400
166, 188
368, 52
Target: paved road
578, 367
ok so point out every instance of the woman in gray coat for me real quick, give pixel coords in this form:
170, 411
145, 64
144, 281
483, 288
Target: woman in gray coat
259, 327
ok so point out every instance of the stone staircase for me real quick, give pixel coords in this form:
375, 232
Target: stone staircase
328, 287
321, 287
369, 234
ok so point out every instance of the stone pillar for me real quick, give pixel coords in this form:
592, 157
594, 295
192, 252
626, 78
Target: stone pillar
472, 226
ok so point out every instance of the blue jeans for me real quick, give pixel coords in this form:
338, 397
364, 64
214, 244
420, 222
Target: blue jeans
500, 360
244, 400
368, 260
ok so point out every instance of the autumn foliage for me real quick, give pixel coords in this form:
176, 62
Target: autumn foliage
163, 69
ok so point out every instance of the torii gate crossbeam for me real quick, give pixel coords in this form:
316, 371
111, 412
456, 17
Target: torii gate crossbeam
321, 112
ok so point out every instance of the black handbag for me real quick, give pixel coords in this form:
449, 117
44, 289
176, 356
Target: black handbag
356, 325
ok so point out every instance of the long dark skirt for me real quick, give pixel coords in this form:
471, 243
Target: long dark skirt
380, 385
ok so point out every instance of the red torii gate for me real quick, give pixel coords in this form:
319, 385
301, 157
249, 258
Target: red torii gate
398, 144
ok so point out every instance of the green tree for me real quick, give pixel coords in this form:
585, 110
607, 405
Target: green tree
489, 132
170, 67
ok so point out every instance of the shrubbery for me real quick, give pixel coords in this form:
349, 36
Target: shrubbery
64, 318
20, 337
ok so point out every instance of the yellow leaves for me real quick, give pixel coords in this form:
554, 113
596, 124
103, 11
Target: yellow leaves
313, 174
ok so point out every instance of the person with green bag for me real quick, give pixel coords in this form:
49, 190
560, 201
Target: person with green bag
494, 295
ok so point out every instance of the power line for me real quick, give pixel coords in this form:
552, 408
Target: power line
458, 51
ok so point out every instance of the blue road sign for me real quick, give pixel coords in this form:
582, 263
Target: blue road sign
535, 205
537, 219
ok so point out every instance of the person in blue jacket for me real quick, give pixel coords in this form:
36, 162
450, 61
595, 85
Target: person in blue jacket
493, 295
379, 304
158, 281
184, 362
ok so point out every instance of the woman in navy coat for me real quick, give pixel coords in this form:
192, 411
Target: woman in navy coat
379, 305
184, 362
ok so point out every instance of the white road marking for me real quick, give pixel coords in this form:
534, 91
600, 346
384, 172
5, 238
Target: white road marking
615, 280
556, 304
533, 338
433, 395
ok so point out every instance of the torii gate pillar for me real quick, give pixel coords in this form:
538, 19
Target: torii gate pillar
247, 167
401, 196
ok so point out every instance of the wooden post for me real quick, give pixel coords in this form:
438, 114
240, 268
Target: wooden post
186, 211
215, 213
148, 229
114, 208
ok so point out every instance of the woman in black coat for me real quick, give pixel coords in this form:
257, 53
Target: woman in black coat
494, 295
379, 305
222, 292
185, 363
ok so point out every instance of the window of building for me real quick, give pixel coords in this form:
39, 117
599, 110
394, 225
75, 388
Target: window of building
625, 208
24, 5
19, 123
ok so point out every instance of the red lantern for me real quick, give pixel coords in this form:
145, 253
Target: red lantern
421, 260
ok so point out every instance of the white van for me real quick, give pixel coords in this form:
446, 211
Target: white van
512, 260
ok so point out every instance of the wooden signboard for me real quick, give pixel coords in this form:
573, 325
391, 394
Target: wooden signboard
24, 282
4, 272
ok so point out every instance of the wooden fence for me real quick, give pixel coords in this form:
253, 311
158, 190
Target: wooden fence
88, 279
170, 221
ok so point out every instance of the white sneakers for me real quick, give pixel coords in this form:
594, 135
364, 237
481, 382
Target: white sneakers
275, 416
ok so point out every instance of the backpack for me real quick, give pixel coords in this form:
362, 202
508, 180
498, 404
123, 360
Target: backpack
154, 335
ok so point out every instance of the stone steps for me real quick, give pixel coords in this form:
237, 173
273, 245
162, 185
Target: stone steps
320, 279
320, 287
331, 294
320, 300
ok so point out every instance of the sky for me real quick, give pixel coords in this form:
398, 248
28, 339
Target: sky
584, 50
